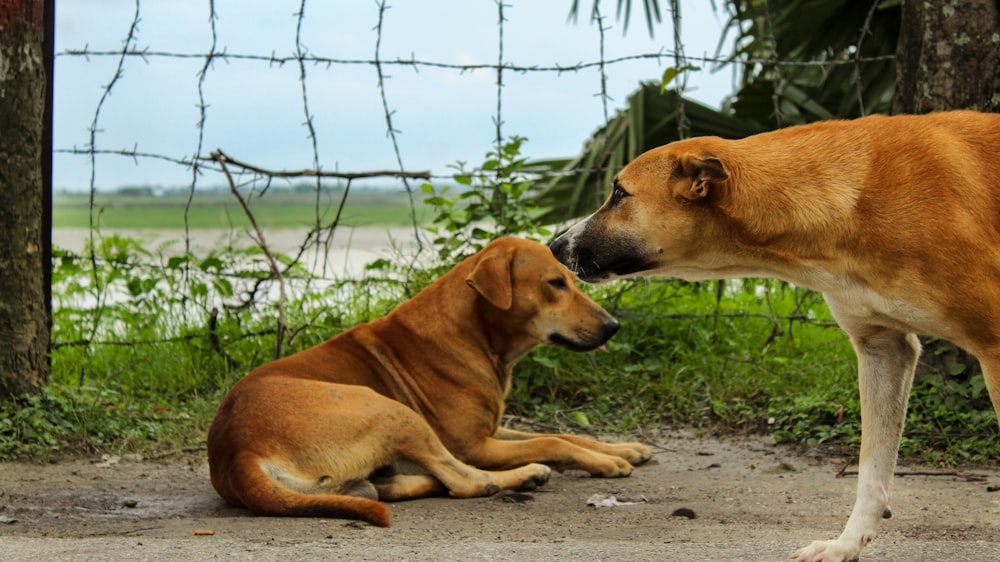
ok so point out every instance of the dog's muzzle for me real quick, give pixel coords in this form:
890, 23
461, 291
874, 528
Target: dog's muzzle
561, 250
588, 341
592, 267
580, 260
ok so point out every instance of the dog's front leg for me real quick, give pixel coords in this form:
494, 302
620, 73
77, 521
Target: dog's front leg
886, 361
634, 453
497, 454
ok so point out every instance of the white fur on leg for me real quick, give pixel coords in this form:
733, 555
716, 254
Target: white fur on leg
886, 361
872, 502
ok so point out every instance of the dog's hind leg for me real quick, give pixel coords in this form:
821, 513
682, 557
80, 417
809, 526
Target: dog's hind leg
403, 480
398, 487
990, 362
886, 362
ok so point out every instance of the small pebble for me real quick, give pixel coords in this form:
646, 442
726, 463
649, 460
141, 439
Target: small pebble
684, 512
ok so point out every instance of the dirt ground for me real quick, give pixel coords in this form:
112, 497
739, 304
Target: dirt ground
699, 499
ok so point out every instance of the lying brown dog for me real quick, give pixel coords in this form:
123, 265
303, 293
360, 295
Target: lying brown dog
895, 219
313, 434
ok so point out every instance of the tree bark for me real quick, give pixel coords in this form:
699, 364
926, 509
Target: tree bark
948, 56
25, 151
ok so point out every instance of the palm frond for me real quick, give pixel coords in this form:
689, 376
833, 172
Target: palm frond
809, 42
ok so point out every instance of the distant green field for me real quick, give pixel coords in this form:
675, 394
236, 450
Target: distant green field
219, 210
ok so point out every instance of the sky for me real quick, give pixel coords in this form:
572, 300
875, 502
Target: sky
255, 109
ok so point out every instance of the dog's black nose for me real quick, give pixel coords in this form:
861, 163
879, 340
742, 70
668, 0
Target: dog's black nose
610, 328
558, 247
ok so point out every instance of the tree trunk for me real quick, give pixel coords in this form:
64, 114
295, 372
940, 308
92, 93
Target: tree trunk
25, 191
948, 56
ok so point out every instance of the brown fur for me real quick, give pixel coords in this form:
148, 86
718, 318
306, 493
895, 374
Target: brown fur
331, 430
895, 219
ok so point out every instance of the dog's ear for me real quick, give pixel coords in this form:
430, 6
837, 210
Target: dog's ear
491, 279
701, 172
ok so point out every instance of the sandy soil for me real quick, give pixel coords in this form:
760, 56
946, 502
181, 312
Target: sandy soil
700, 499
350, 249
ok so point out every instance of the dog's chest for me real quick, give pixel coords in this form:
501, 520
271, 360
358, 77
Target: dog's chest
856, 306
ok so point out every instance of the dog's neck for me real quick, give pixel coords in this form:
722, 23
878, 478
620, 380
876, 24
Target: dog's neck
777, 216
772, 196
461, 314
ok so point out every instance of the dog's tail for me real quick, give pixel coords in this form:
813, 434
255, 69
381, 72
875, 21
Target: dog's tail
256, 490
287, 502
290, 503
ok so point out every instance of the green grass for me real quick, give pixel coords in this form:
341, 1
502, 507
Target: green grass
683, 357
144, 349
158, 363
222, 210
223, 217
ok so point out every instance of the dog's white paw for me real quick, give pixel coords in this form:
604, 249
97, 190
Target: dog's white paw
827, 551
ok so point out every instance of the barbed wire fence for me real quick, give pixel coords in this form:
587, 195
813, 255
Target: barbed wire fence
286, 273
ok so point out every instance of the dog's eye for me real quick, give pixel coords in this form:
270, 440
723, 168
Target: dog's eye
558, 283
618, 194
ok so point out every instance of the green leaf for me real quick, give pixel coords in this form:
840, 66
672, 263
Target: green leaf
381, 263
672, 72
175, 262
134, 287
545, 361
211, 262
223, 286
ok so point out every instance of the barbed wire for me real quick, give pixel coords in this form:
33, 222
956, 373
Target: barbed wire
602, 29
136, 154
321, 234
390, 130
463, 68
680, 61
200, 143
772, 43
302, 58
865, 31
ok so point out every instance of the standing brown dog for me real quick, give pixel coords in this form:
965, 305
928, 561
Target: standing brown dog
321, 432
895, 219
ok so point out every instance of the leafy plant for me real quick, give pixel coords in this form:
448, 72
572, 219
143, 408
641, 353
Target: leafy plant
574, 187
812, 419
147, 339
951, 420
491, 202
65, 417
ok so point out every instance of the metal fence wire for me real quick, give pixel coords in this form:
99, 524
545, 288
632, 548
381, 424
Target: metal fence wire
207, 165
